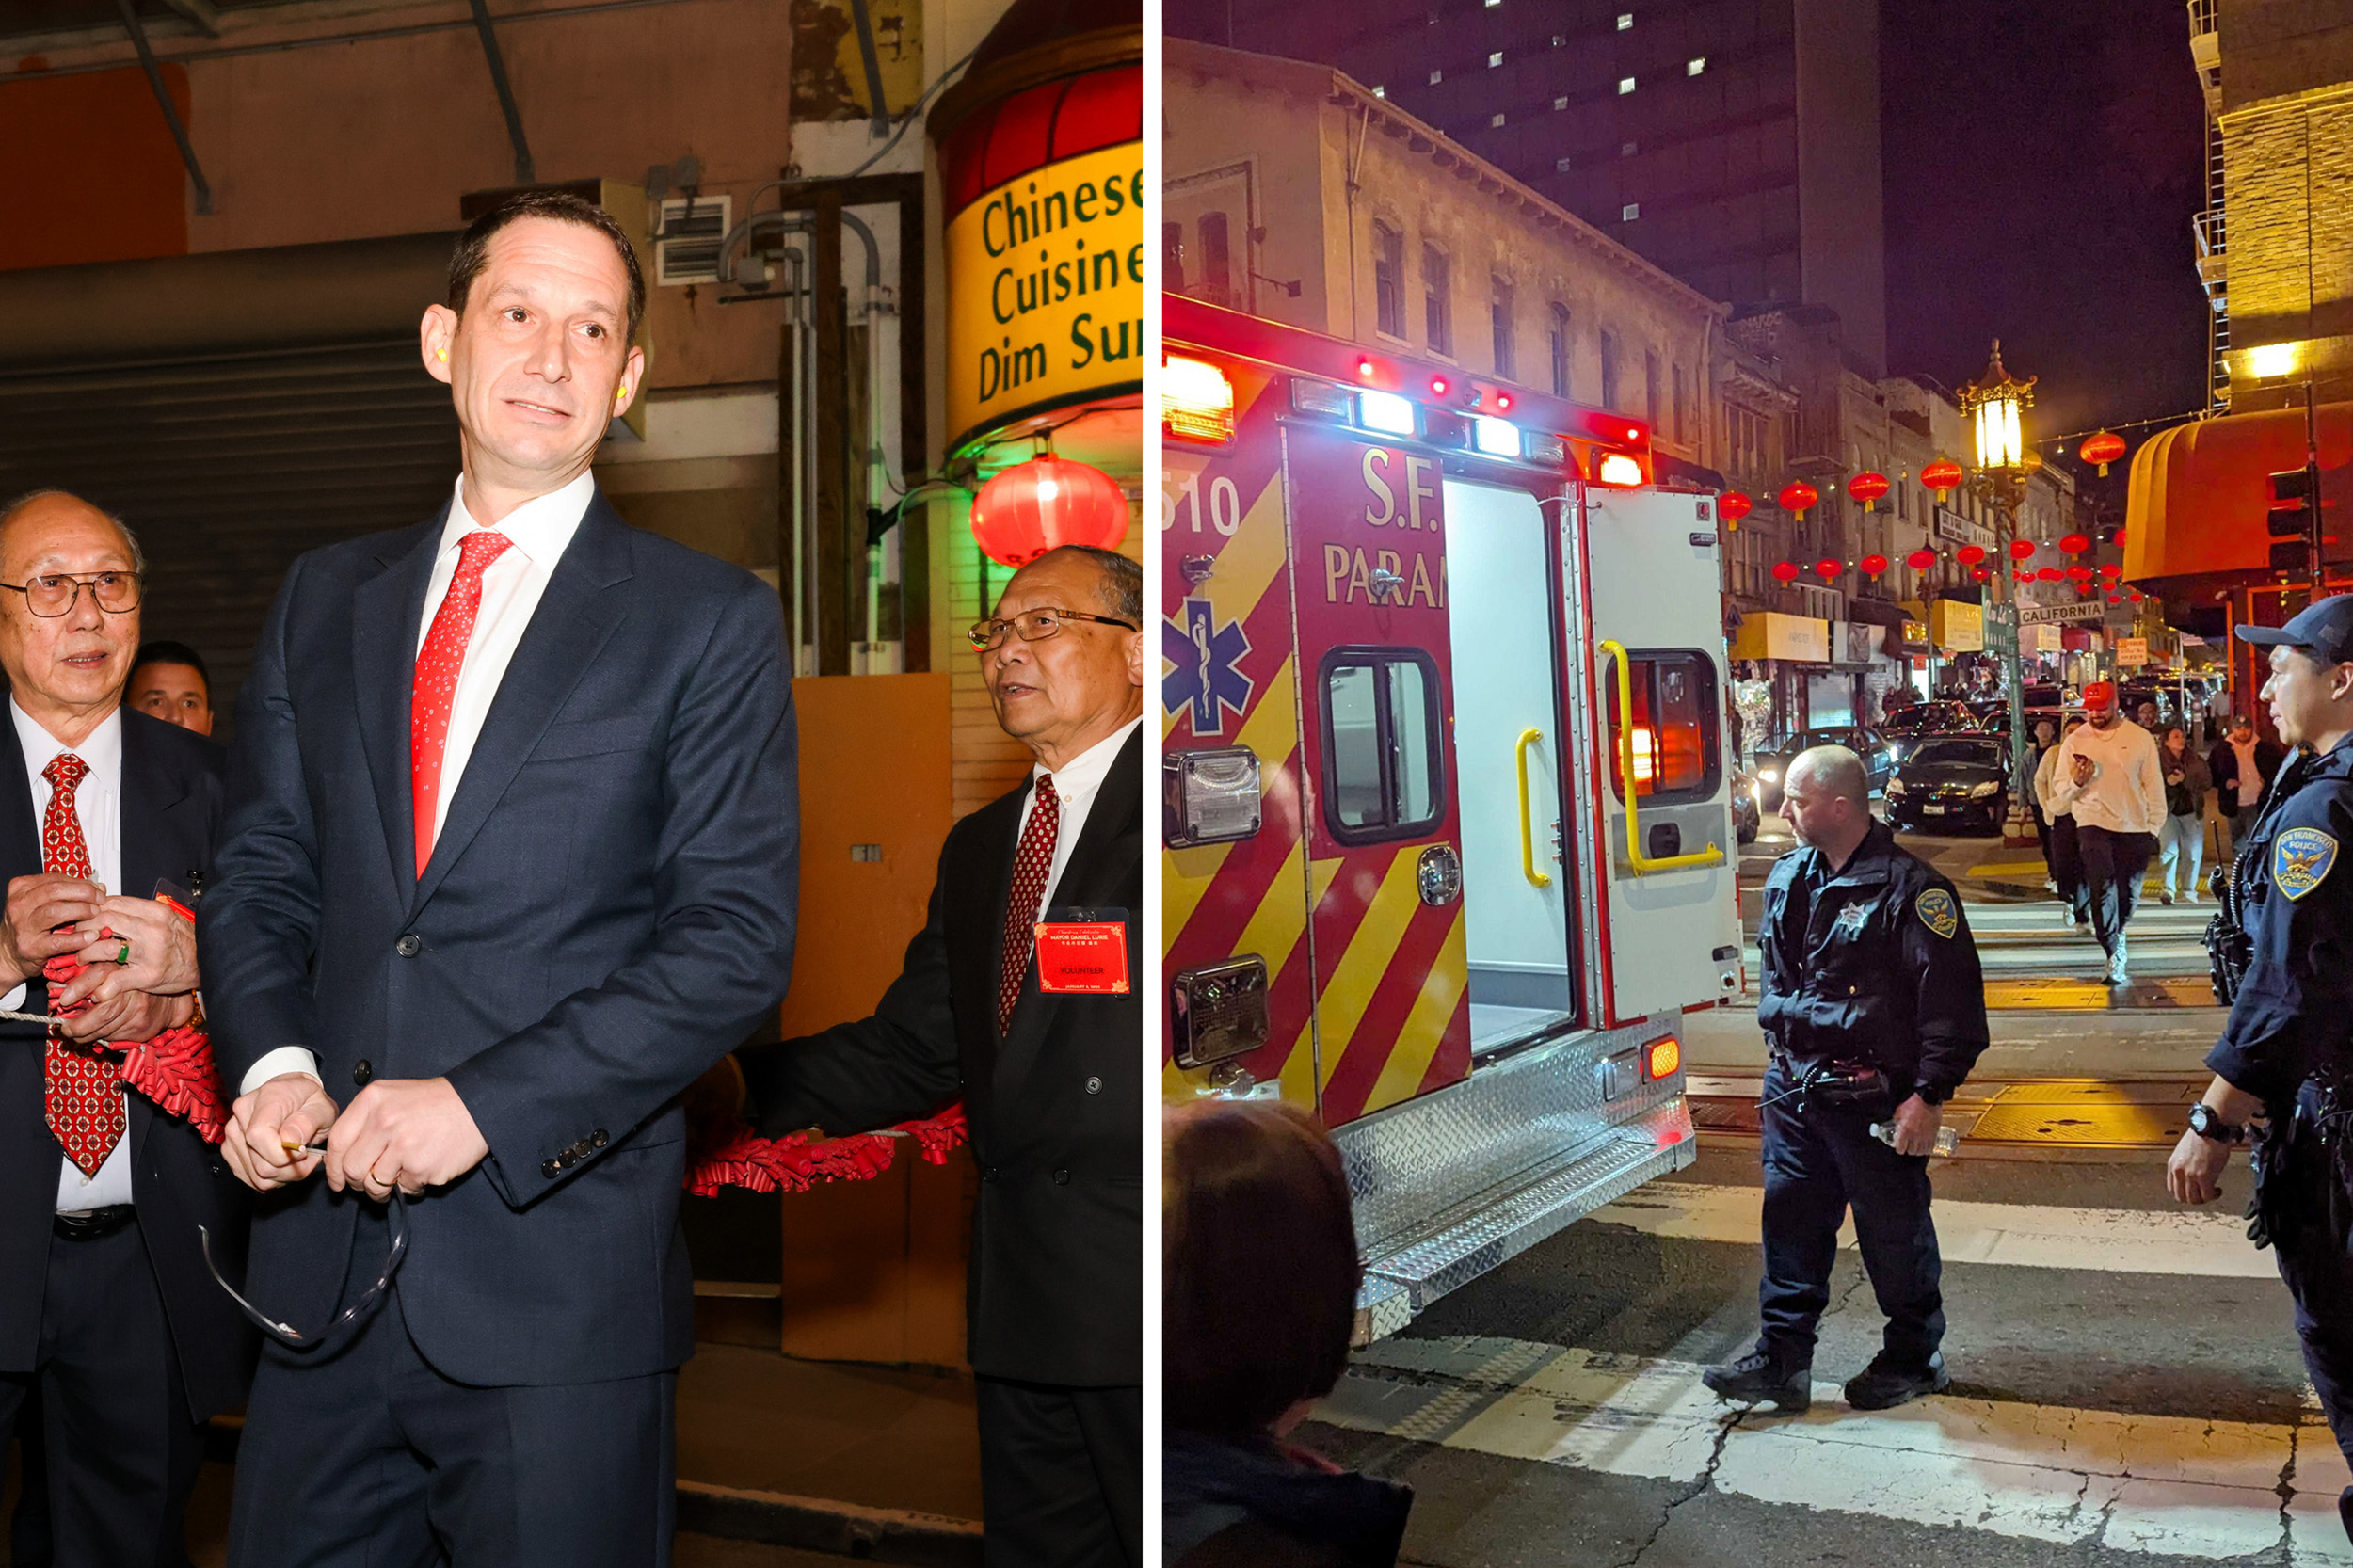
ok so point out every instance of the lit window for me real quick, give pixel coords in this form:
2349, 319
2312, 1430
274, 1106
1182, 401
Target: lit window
1381, 92
1494, 122
1628, 213
1692, 67
1561, 102
1436, 76
1561, 166
1627, 149
1625, 19
1494, 60
1625, 85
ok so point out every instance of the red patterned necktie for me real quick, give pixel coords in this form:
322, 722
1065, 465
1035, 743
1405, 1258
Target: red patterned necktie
438, 664
1030, 863
82, 1092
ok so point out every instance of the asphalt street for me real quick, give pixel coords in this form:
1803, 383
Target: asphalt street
2127, 1388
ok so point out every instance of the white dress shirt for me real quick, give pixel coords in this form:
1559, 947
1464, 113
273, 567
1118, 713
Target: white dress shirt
1077, 783
2126, 793
98, 801
538, 530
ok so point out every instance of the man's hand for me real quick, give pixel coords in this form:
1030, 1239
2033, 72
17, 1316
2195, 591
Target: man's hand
129, 1019
37, 907
162, 951
2080, 768
290, 1108
2194, 1174
409, 1133
1916, 1123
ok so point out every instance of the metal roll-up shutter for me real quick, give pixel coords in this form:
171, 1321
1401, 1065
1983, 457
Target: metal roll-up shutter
230, 465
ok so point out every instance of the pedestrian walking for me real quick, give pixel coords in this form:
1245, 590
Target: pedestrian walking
1873, 1004
2183, 835
2107, 776
2046, 737
2243, 765
2287, 1048
2064, 854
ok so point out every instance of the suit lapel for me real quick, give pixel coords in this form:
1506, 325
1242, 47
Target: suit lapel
575, 615
20, 830
149, 791
1112, 815
386, 611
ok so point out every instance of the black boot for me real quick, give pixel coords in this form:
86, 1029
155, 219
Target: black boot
1888, 1383
1760, 1378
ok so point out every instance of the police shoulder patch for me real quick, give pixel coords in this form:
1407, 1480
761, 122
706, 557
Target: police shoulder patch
1937, 912
2300, 859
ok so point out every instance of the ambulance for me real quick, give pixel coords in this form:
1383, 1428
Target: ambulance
1446, 825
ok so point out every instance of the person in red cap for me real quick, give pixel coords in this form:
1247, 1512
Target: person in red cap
2108, 780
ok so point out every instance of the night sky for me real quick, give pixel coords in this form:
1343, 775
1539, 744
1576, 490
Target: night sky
2042, 163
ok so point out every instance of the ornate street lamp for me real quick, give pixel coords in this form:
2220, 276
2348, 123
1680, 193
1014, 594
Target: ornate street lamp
1995, 406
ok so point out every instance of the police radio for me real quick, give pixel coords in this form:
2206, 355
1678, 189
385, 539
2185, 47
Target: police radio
2229, 948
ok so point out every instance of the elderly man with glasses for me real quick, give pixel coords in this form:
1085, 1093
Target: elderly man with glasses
1018, 995
106, 1311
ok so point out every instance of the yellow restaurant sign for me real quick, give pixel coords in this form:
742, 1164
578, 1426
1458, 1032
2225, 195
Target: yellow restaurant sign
1046, 290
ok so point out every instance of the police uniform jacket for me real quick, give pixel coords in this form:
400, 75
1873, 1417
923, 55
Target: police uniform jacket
2294, 1007
1872, 962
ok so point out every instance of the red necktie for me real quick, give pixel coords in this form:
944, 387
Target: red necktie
1030, 863
438, 664
82, 1092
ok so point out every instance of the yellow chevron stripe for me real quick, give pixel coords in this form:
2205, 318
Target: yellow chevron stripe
1341, 1006
1247, 565
1272, 931
1425, 1025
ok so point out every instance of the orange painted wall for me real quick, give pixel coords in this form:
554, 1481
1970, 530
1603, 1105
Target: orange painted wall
873, 1270
94, 168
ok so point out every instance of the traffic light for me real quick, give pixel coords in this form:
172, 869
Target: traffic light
2294, 519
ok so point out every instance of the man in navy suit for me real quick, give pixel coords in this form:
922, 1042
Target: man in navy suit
106, 1309
510, 861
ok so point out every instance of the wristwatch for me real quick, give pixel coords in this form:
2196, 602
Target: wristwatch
2207, 1122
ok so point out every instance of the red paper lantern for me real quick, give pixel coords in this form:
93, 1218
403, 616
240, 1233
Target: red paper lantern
1874, 565
2109, 568
2137, 595
2025, 577
1797, 496
2103, 449
1921, 560
2120, 538
1045, 502
1732, 507
2021, 548
2051, 574
1969, 554
2116, 599
1829, 565
1980, 574
2079, 573
1942, 475
2075, 544
1868, 487
1785, 572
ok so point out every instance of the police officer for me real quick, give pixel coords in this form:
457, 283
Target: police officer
2287, 1048
1875, 1008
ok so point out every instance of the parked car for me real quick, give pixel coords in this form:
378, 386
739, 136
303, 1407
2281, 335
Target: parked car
1949, 781
1748, 810
1772, 762
1938, 717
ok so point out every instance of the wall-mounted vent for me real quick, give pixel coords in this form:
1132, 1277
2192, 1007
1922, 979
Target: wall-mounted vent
686, 247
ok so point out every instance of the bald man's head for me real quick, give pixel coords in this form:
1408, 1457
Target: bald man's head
64, 653
1826, 798
1836, 771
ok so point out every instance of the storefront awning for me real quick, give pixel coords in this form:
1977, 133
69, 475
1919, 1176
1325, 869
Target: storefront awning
2194, 514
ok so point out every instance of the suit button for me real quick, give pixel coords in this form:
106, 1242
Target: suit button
409, 945
598, 1138
1095, 1085
215, 1167
551, 1168
362, 1071
989, 1175
1061, 1177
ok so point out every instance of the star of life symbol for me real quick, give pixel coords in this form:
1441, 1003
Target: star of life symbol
1206, 666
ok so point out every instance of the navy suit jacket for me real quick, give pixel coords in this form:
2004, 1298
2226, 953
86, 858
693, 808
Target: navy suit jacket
1055, 1101
609, 908
171, 810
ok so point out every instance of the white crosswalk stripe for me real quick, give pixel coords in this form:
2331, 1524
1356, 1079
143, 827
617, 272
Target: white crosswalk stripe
2066, 1476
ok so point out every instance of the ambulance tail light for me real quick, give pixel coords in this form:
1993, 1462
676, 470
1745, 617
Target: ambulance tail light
1385, 412
1645, 753
1196, 401
1620, 469
1497, 437
1662, 1057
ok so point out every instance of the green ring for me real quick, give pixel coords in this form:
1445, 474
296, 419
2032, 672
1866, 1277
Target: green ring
124, 956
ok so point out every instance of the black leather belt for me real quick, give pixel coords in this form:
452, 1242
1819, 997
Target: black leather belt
90, 1224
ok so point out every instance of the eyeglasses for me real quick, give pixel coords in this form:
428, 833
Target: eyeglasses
55, 594
1031, 626
395, 1221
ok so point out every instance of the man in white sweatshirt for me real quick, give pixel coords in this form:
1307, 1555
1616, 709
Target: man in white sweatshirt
2108, 779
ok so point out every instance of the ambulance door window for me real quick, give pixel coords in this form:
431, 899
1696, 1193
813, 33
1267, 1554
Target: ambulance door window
1676, 745
1382, 776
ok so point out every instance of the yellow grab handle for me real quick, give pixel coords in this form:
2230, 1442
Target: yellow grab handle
1641, 863
1528, 836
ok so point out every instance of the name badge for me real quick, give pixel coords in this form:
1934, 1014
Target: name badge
1082, 953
